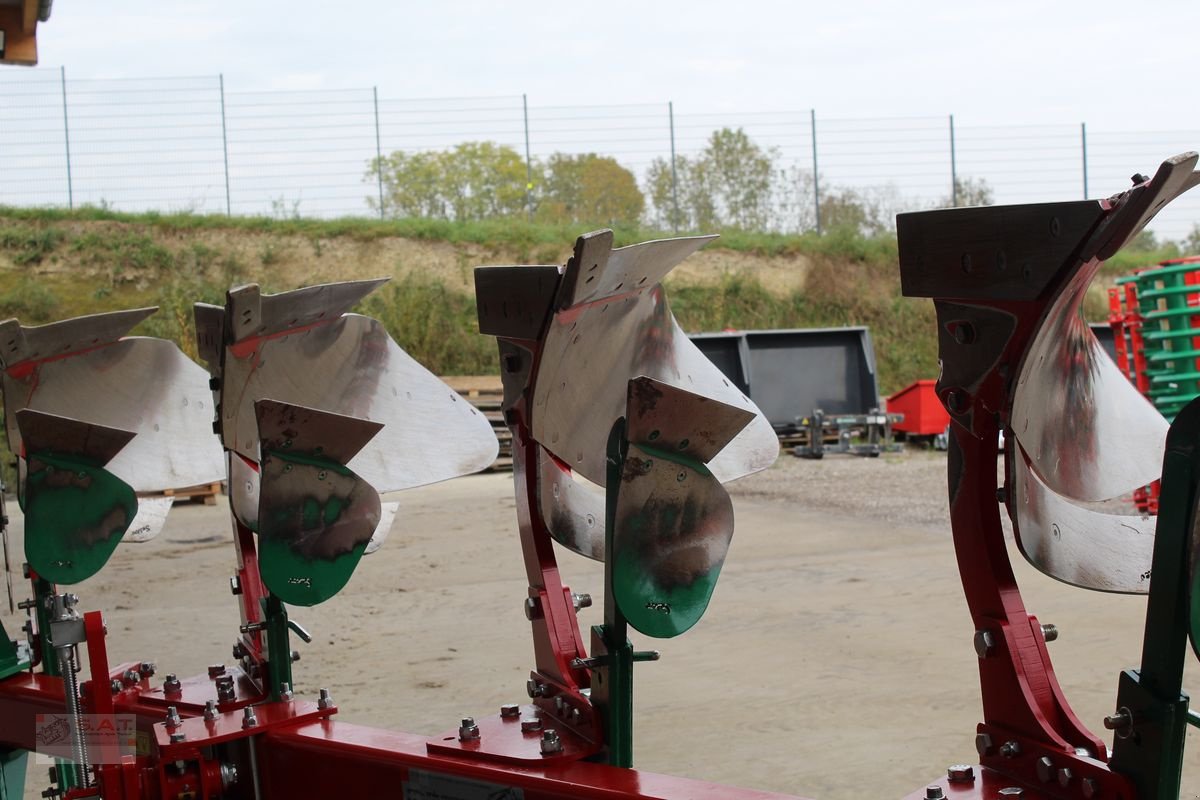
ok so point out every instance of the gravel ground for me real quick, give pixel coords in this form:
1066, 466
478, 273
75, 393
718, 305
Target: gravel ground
906, 488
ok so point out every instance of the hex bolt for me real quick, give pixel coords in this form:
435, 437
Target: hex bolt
249, 718
1010, 749
146, 669
178, 736
1050, 632
960, 773
1065, 776
560, 704
934, 793
210, 711
116, 686
295, 656
131, 677
1011, 791
531, 724
324, 699
1091, 788
468, 731
535, 689
581, 600
1045, 769
173, 720
1121, 722
533, 608
510, 711
172, 685
216, 670
985, 643
551, 744
285, 691
983, 744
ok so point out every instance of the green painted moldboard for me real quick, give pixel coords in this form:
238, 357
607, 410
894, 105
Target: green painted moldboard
292, 577
72, 529
640, 597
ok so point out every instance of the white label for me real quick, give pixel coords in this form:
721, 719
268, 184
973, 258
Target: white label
433, 786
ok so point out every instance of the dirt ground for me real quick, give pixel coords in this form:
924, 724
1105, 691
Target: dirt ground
835, 661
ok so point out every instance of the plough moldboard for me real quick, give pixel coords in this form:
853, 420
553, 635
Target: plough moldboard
623, 434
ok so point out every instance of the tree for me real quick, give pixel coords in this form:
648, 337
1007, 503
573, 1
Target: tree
1191, 244
475, 180
969, 192
730, 183
588, 189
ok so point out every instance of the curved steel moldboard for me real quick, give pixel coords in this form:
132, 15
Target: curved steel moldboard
150, 519
143, 385
673, 526
572, 511
1089, 433
253, 314
315, 515
351, 367
597, 271
75, 510
1076, 545
589, 354
387, 515
315, 520
19, 344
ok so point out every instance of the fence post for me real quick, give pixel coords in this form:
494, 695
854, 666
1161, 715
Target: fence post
67, 139
528, 161
1083, 144
225, 147
953, 167
378, 150
674, 171
812, 114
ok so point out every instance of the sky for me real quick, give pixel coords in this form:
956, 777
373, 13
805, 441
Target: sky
882, 79
1116, 64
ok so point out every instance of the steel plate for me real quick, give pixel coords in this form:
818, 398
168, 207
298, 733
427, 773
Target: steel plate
353, 368
150, 519
1091, 549
147, 386
590, 353
1090, 435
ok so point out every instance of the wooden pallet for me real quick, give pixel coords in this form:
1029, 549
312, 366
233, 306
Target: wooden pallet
205, 493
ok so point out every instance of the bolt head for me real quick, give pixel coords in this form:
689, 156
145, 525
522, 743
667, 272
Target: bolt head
985, 643
510, 711
530, 724
1065, 776
1010, 749
551, 744
146, 669
532, 608
116, 686
216, 670
534, 688
983, 744
934, 793
1011, 791
961, 773
1045, 769
178, 736
468, 730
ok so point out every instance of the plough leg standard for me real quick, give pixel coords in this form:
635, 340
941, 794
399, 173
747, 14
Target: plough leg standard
623, 434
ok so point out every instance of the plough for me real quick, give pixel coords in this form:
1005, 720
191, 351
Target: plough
623, 435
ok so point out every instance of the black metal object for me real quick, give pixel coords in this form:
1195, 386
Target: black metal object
1104, 334
791, 373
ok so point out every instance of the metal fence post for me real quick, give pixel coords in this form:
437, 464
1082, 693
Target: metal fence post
378, 150
67, 139
1083, 147
528, 161
674, 170
953, 167
225, 147
812, 114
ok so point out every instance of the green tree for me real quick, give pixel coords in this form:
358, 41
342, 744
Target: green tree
730, 183
474, 180
969, 191
588, 189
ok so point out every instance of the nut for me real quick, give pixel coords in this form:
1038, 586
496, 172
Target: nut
510, 711
1045, 769
530, 724
983, 744
551, 744
960, 773
468, 730
985, 643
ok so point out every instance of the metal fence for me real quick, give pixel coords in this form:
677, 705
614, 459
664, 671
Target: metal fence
196, 144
